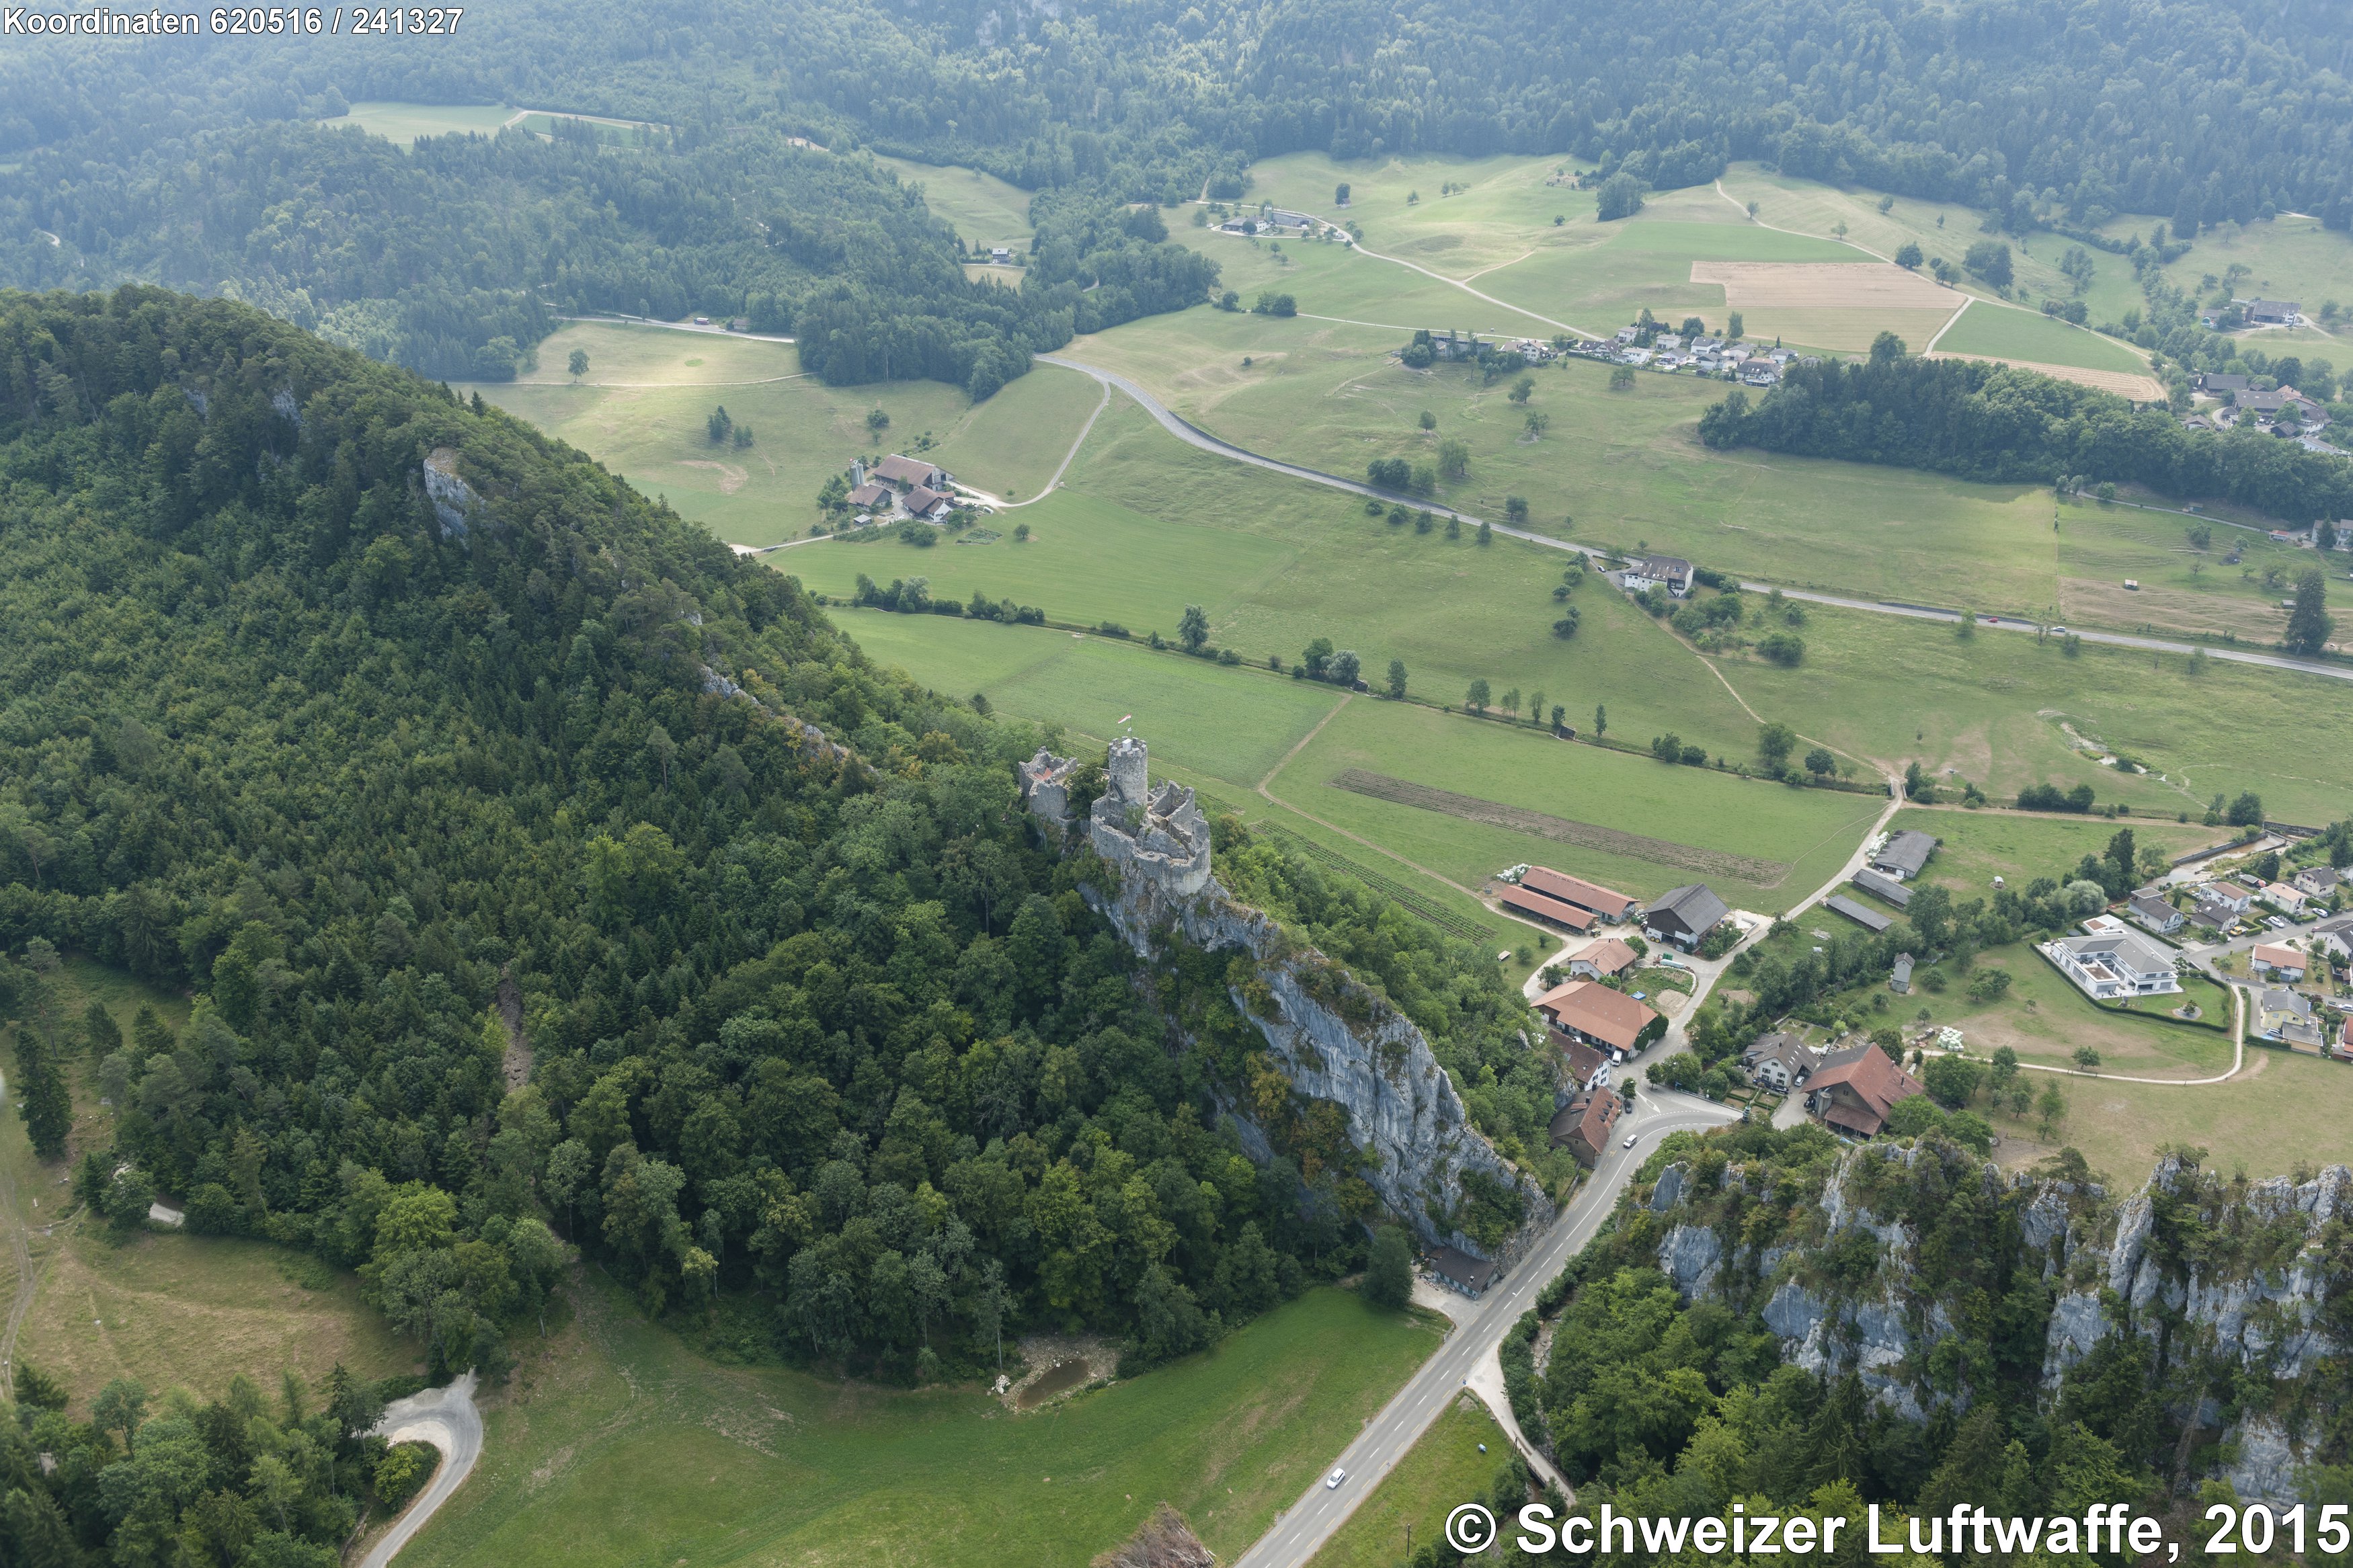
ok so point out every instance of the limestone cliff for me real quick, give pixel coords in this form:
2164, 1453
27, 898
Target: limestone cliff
1334, 1038
2232, 1284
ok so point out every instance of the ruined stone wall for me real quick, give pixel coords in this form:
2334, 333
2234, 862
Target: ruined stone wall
1401, 1105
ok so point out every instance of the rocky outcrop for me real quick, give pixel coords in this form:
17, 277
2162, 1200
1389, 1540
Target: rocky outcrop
452, 497
1332, 1036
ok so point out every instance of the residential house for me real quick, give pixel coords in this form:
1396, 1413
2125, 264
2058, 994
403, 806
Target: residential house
870, 495
1604, 902
2208, 921
2222, 386
1528, 901
2286, 900
2318, 881
1602, 960
1683, 915
1707, 346
1853, 1090
926, 502
1759, 372
1585, 1063
2156, 914
1583, 1125
2112, 964
1869, 919
1660, 572
2336, 937
1000, 254
2274, 312
1460, 1272
2285, 1015
1628, 335
1899, 978
1590, 1011
1779, 1061
1884, 887
1903, 854
2277, 961
901, 470
2226, 895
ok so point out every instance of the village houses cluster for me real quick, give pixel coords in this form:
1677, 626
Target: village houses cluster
2228, 402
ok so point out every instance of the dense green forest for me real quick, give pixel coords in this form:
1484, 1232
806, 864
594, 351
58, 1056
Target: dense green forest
1985, 421
826, 1053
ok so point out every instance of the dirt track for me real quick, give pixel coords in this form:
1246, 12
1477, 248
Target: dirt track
1866, 285
1562, 830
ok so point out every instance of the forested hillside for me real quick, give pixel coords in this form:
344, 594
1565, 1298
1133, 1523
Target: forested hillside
347, 742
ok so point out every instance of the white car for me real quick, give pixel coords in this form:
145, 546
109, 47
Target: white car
1335, 1479
1631, 1137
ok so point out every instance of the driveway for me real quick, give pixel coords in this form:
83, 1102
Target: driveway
447, 1419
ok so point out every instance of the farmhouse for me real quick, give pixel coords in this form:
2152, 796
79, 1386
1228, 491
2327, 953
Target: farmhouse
2158, 916
1529, 902
1779, 1061
2110, 964
1583, 1125
1853, 1090
1606, 902
1868, 920
1667, 572
870, 495
2279, 961
2274, 312
1884, 887
1602, 960
1462, 1272
1585, 1063
1588, 1011
926, 503
1683, 915
901, 470
1903, 854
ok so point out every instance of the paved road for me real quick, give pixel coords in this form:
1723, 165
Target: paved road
1193, 434
447, 1419
1304, 1527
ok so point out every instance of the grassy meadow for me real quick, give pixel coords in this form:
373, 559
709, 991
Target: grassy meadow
983, 210
643, 406
1990, 331
407, 123
1978, 845
1445, 1468
618, 1446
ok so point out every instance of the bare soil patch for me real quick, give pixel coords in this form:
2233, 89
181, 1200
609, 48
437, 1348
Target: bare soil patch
731, 475
1864, 285
2088, 599
1164, 1542
1563, 830
2123, 383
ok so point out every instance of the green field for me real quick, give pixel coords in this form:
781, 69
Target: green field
1978, 846
1445, 1468
2281, 1111
643, 408
619, 1447
1994, 332
982, 209
405, 122
2290, 258
2045, 1019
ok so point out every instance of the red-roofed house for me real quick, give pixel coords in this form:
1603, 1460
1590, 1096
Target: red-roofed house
1546, 909
1854, 1090
1584, 1061
1582, 1126
2281, 961
1588, 1011
1606, 902
1601, 960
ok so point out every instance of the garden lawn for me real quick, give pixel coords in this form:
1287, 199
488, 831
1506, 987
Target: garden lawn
1443, 1469
620, 1446
645, 404
1992, 331
2282, 1112
2045, 1019
405, 122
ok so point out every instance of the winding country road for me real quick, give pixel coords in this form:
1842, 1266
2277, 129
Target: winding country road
1193, 434
447, 1419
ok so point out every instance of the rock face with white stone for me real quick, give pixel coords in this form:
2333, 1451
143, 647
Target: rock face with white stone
2214, 1274
1333, 1037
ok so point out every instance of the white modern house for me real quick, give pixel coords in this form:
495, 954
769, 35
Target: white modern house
2114, 964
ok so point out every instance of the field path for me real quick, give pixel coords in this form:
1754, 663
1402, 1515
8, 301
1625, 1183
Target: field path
1947, 327
1068, 458
1193, 434
1476, 294
447, 1419
20, 1255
